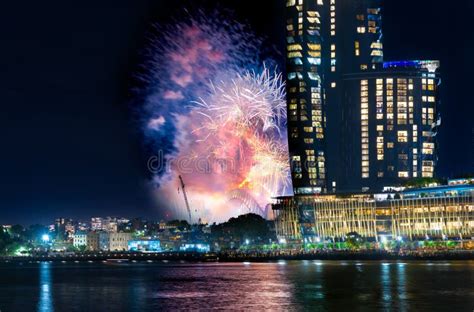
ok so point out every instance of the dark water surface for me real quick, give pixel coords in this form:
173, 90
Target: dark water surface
293, 285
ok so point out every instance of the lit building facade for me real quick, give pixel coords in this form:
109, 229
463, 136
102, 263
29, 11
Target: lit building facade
114, 241
306, 115
96, 224
144, 245
389, 134
93, 241
345, 102
354, 44
444, 212
79, 239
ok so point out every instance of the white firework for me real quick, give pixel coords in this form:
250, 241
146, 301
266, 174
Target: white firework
249, 101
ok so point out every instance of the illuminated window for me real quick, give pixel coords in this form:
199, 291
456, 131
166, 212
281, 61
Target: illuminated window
402, 136
294, 47
314, 46
403, 174
314, 60
428, 148
314, 20
364, 116
294, 54
376, 45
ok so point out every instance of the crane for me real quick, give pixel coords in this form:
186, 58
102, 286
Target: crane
185, 198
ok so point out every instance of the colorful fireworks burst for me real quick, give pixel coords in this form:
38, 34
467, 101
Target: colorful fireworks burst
218, 120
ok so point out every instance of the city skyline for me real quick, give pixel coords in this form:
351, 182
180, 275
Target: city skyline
55, 165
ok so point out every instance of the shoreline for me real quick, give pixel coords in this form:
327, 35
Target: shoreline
238, 257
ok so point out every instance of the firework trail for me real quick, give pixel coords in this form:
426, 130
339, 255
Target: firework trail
218, 119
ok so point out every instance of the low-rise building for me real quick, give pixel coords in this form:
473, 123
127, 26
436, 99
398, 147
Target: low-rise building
443, 212
119, 241
113, 241
93, 241
195, 247
144, 245
80, 239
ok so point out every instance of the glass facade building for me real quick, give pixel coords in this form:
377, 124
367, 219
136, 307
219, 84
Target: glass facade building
389, 135
355, 122
306, 116
444, 212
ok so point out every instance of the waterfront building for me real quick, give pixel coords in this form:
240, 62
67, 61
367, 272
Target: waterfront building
355, 122
306, 116
93, 241
114, 241
389, 133
195, 247
119, 241
144, 245
442, 212
79, 239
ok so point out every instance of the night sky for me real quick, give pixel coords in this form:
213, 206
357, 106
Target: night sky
70, 143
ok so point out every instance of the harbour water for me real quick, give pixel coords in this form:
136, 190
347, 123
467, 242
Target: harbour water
276, 286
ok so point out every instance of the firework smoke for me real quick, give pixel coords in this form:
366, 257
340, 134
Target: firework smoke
217, 120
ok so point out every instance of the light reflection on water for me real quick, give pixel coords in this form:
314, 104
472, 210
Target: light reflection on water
45, 303
285, 285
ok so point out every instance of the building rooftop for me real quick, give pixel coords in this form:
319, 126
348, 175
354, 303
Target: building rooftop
430, 65
434, 191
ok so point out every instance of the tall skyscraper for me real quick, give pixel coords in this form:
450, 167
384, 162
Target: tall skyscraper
306, 115
389, 135
343, 101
